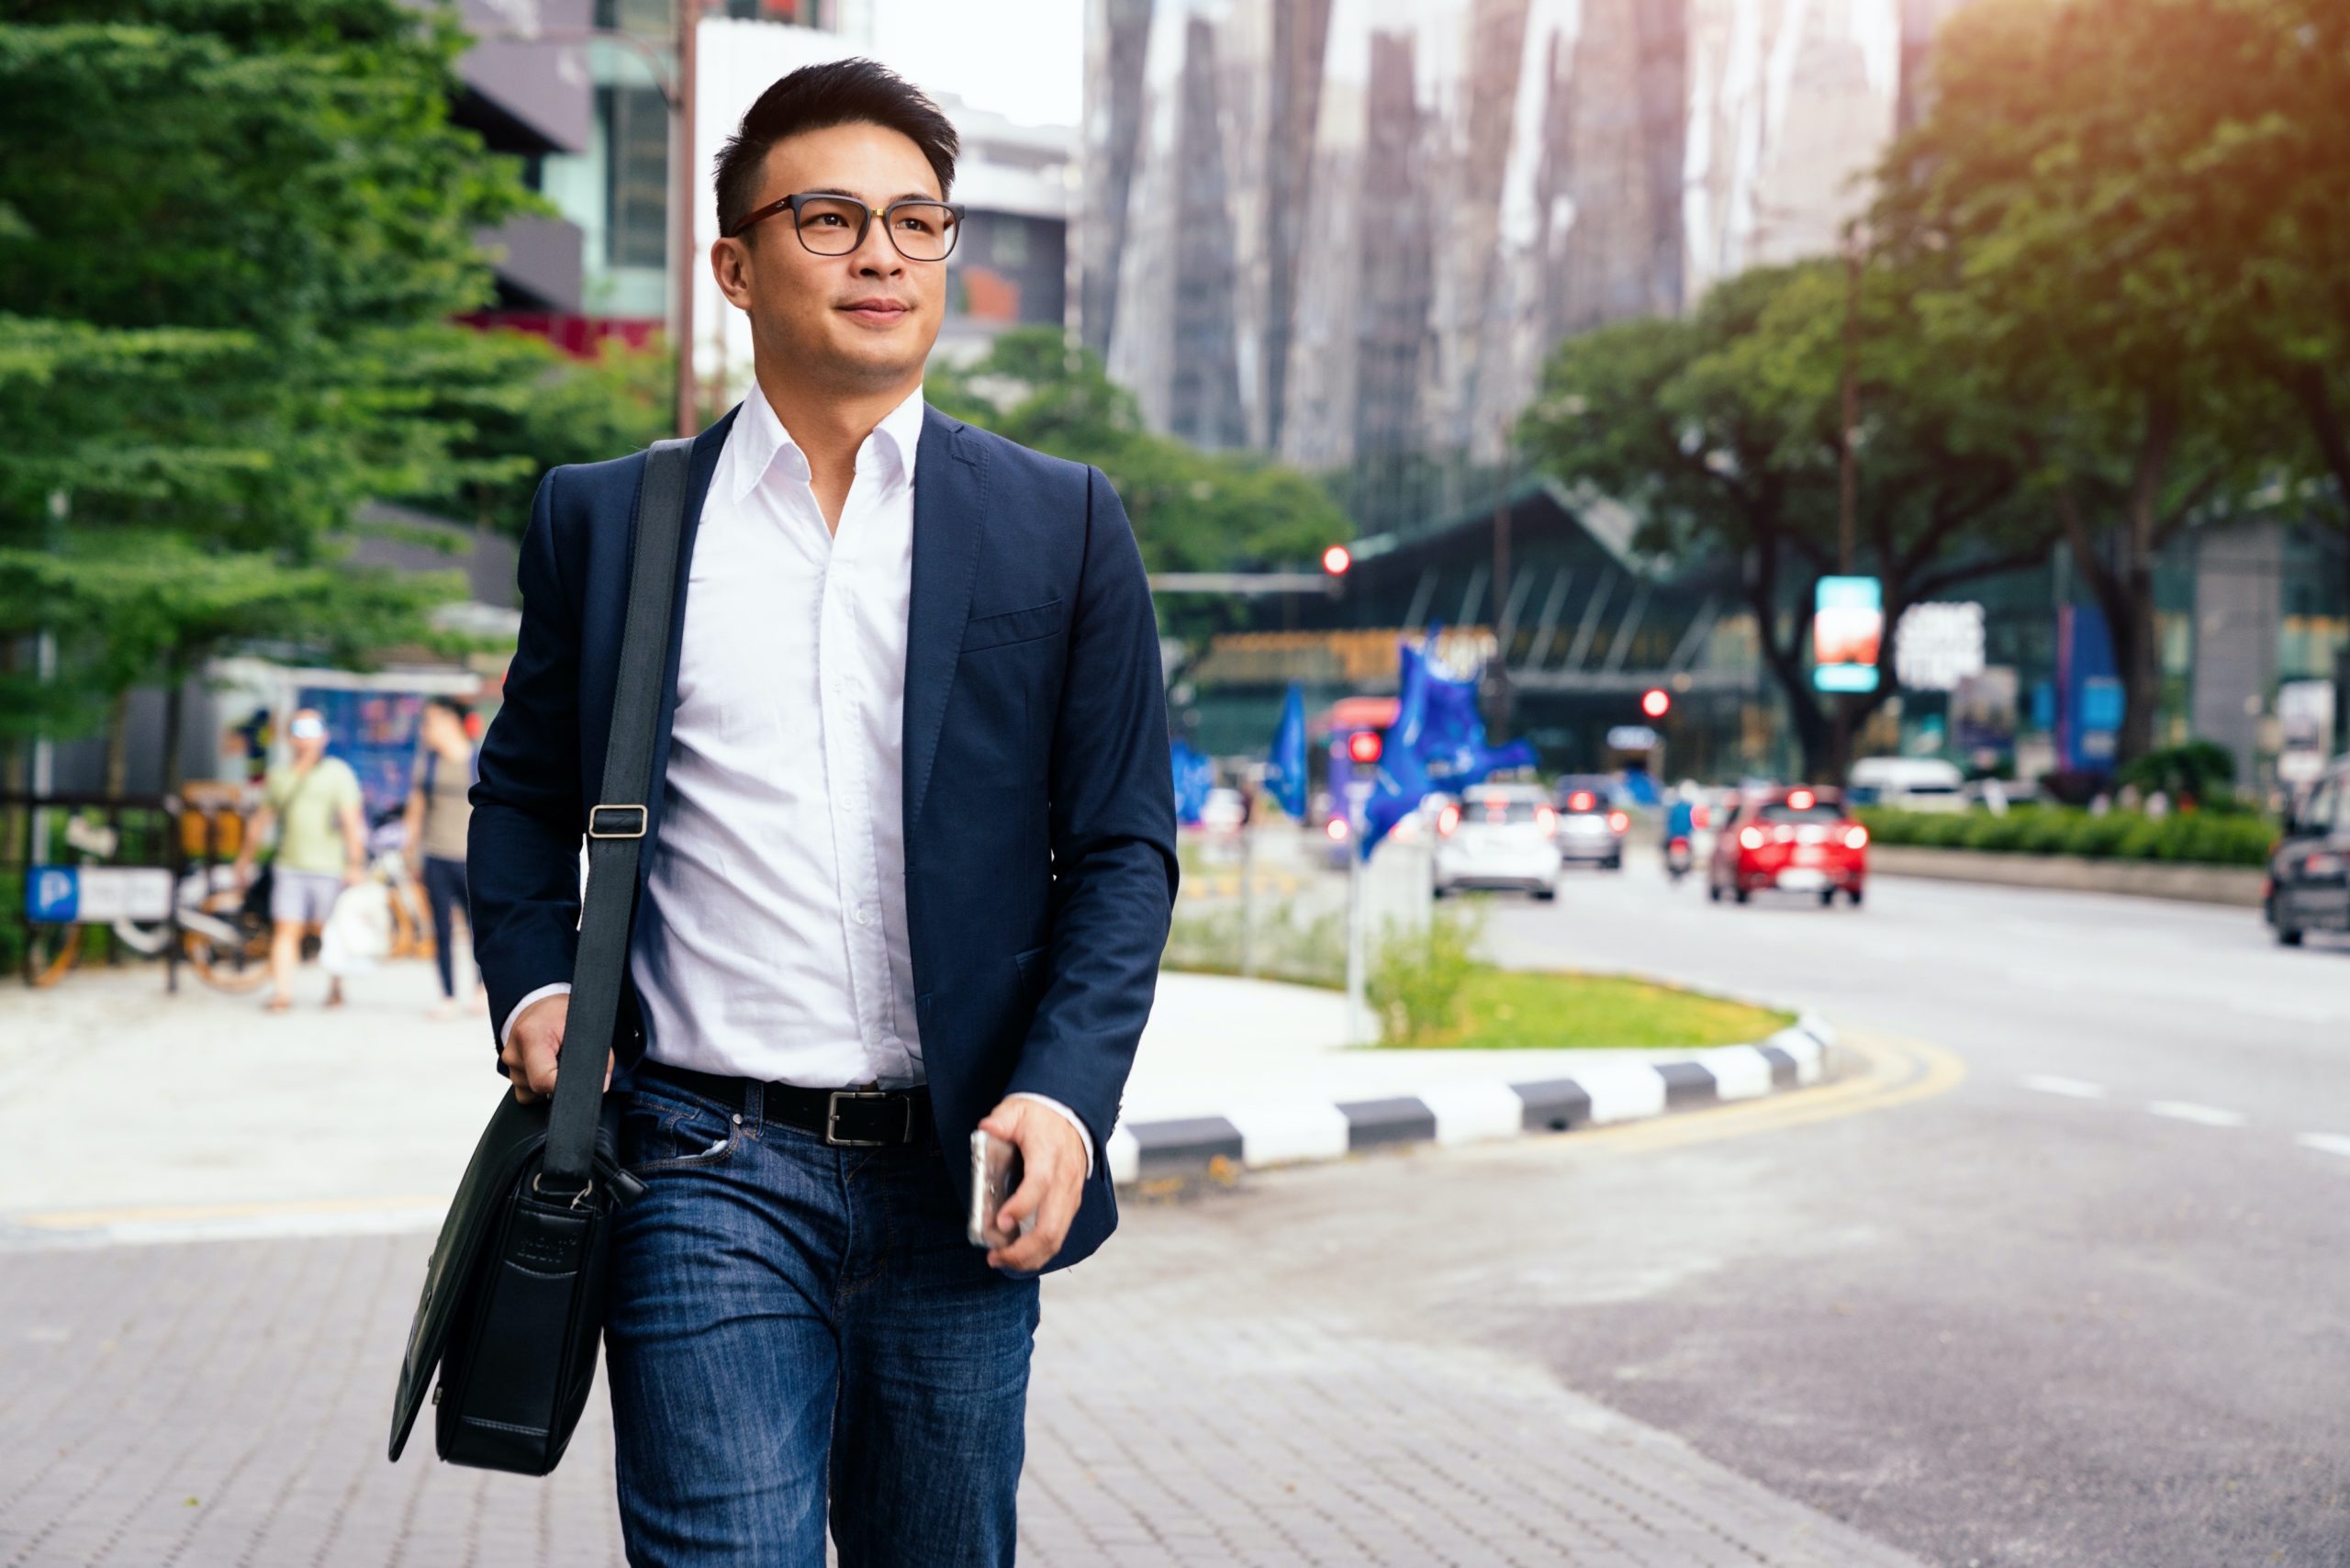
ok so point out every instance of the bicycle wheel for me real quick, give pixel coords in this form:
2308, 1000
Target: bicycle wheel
225, 944
52, 950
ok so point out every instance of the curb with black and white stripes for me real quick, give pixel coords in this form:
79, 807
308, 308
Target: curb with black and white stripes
1290, 1132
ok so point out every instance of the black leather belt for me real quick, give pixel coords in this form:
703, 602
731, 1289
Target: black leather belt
845, 1118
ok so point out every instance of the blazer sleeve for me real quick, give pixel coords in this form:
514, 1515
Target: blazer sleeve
1112, 799
522, 848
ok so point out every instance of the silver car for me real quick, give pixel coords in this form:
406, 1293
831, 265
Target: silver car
1590, 824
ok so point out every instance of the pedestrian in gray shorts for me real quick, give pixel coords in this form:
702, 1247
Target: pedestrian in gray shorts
313, 804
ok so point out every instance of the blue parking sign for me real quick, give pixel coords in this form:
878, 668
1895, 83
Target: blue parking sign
53, 893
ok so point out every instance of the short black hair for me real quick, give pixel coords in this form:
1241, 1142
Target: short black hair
817, 98
457, 710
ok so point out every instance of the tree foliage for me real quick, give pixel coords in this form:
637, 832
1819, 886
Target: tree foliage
231, 233
1722, 430
2133, 216
1191, 510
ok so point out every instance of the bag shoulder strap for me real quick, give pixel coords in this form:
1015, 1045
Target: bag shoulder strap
616, 823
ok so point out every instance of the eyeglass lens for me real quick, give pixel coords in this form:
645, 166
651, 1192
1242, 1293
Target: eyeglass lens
922, 231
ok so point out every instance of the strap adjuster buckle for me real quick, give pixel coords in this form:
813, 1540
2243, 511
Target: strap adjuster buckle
597, 821
833, 1119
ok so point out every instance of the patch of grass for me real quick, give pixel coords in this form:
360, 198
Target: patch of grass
1554, 1010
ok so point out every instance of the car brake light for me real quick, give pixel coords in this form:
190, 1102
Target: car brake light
1447, 820
1801, 799
2322, 865
1337, 830
1749, 838
1548, 821
1580, 801
1856, 837
1618, 822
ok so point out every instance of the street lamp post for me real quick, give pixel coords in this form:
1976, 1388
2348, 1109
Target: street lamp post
681, 215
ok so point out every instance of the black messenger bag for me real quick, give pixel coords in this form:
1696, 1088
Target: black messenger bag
513, 1306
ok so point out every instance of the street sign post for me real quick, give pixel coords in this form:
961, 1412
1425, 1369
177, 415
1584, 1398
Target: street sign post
96, 895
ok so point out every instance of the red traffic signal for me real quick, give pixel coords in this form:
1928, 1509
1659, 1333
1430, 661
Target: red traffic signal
1362, 746
1336, 559
1656, 701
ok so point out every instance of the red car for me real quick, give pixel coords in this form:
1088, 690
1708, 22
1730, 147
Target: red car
1797, 841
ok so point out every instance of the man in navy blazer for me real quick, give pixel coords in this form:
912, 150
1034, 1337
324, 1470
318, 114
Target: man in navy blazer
909, 870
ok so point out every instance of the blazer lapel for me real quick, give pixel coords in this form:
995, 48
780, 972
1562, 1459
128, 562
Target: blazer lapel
950, 509
706, 446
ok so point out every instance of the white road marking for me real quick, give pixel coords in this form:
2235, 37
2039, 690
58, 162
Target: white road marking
2072, 1088
2326, 1143
2201, 1115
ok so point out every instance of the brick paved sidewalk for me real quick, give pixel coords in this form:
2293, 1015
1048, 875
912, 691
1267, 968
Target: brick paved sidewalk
222, 1403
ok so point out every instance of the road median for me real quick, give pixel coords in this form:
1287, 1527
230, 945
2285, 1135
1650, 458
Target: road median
2233, 885
1258, 1132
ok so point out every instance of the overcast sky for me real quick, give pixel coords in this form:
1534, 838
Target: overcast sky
1024, 59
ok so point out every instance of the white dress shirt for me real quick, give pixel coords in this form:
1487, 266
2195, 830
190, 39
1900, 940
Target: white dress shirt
772, 942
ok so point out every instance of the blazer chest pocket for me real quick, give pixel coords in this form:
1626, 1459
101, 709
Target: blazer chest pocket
1013, 626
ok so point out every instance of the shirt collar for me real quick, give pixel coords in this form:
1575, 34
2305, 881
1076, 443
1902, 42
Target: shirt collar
765, 444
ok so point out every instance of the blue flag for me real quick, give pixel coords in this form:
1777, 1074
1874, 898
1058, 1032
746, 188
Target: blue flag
1194, 777
1453, 743
1285, 770
1402, 780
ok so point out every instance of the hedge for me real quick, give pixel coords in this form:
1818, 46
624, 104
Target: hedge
2206, 837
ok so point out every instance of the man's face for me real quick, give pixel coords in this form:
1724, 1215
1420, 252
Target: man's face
307, 734
861, 321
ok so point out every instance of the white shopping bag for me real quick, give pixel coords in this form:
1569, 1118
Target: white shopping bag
358, 931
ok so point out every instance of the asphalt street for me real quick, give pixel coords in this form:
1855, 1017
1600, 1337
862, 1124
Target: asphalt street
2085, 1307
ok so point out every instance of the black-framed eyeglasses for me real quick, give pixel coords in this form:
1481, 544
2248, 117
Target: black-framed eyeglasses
922, 229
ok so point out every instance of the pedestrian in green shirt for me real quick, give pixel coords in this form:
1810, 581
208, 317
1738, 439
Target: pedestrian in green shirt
315, 803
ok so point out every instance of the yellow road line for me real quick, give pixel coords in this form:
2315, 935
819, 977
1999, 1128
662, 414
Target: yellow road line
88, 1219
1899, 1072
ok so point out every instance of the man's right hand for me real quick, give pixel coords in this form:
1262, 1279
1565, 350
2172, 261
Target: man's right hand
531, 1046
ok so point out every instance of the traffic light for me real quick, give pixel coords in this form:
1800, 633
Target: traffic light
1362, 747
1656, 701
1336, 559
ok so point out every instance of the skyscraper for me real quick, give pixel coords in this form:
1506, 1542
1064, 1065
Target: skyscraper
1347, 232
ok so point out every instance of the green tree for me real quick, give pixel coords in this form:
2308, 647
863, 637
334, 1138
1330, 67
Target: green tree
514, 405
1722, 430
229, 230
1191, 510
2077, 209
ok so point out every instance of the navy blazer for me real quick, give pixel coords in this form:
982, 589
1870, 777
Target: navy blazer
1039, 799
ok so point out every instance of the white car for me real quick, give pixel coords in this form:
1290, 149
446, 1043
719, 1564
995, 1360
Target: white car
1498, 835
1913, 783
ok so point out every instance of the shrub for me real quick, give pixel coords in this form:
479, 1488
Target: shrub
2209, 837
2095, 837
1288, 947
2204, 770
1416, 980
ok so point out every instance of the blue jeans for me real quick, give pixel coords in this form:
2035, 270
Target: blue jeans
790, 1321
444, 894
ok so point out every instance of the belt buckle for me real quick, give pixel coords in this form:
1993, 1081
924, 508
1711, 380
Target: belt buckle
833, 1119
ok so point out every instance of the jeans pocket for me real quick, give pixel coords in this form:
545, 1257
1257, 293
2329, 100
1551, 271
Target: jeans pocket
660, 1134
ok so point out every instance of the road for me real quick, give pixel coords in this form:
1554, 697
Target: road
2086, 1308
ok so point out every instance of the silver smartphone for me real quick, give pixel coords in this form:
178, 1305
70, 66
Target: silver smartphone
995, 1174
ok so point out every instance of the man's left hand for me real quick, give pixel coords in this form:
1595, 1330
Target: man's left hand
1052, 1182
